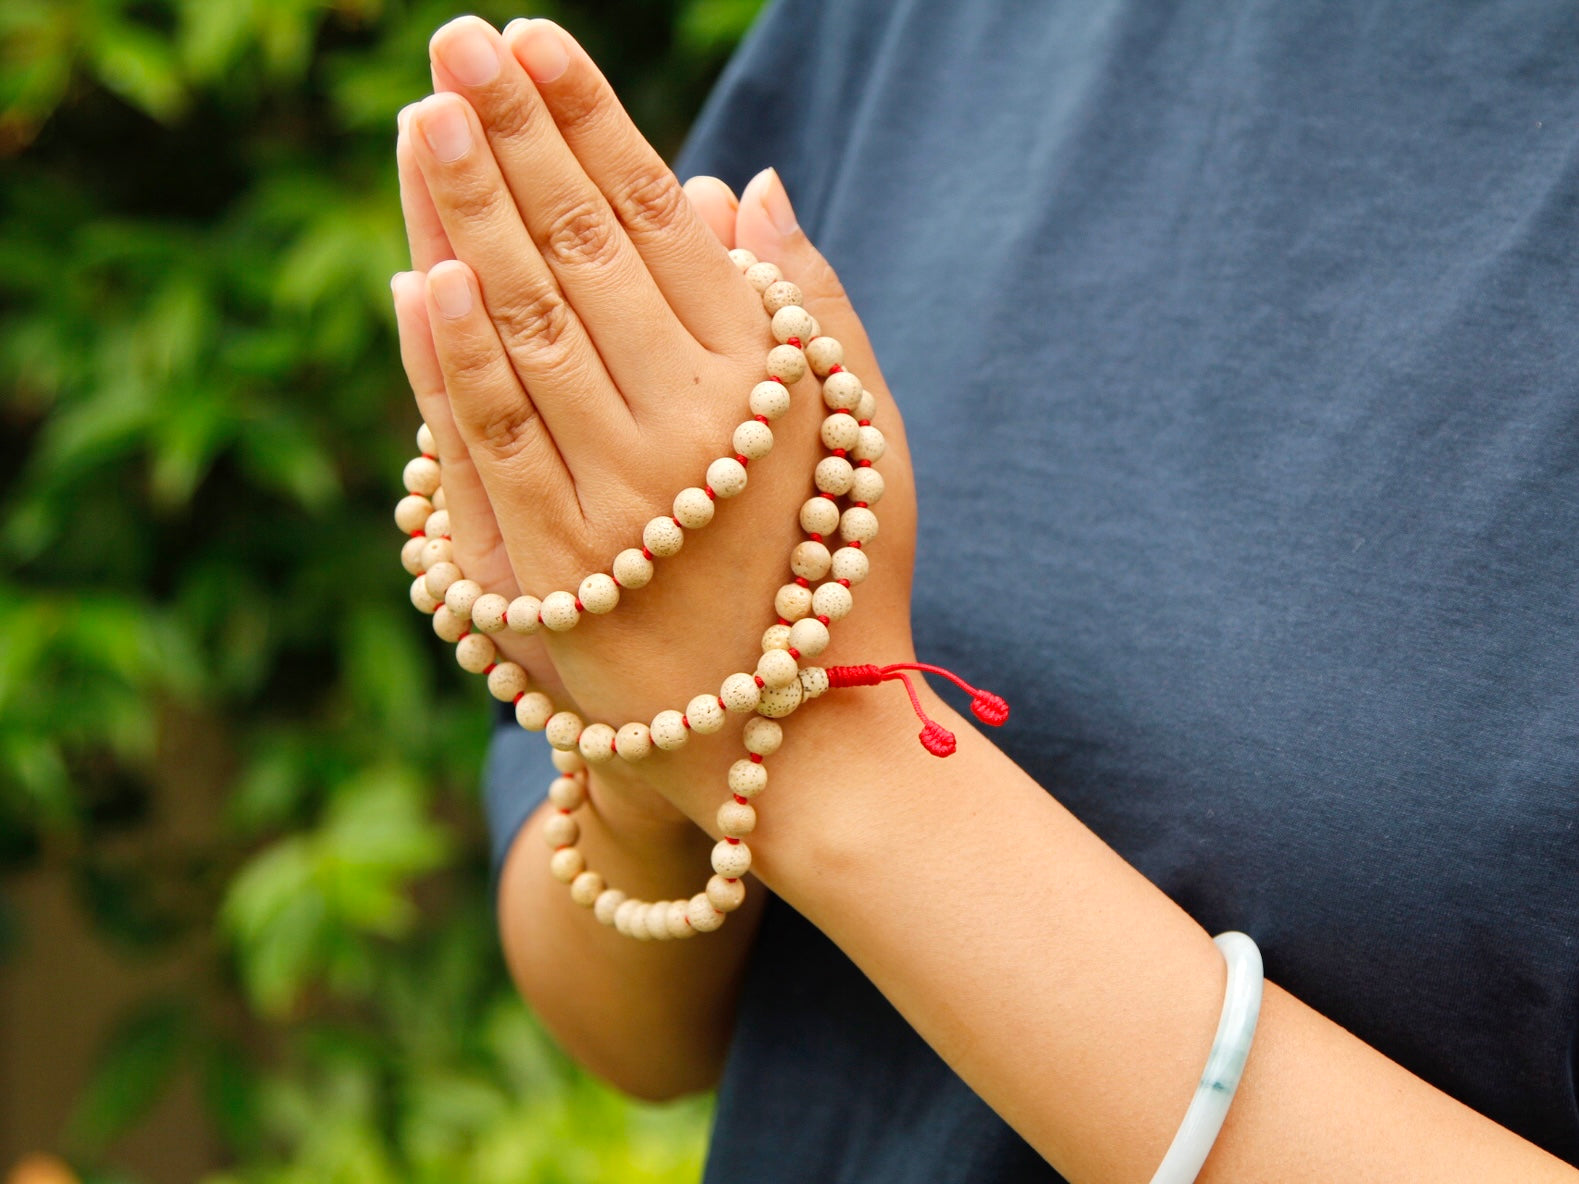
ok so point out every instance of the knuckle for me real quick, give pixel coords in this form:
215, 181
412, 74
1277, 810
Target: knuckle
506, 433
653, 202
473, 201
514, 121
536, 327
582, 235
584, 108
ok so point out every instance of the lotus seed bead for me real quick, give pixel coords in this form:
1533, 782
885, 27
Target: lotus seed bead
787, 364
422, 475
421, 598
411, 555
792, 602
778, 703
704, 715
668, 730
763, 276
567, 863
748, 778
505, 681
813, 681
867, 486
840, 430
567, 793
662, 537
736, 819
833, 475
624, 913
858, 525
596, 744
447, 625
658, 921
809, 636
810, 560
412, 512
561, 830
439, 578
532, 711
753, 439
730, 860
867, 407
633, 741
704, 918
818, 515
775, 637
437, 551
567, 760
740, 693
563, 730
488, 612
769, 399
869, 445
559, 612
522, 614
850, 563
742, 258
632, 569
475, 652
425, 441
693, 508
790, 321
832, 600
780, 294
842, 391
725, 894
438, 525
679, 925
440, 502
608, 902
461, 595
727, 476
763, 737
598, 593
823, 354
777, 669
586, 888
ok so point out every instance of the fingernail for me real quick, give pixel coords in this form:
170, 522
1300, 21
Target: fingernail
777, 204
469, 54
542, 51
450, 290
444, 127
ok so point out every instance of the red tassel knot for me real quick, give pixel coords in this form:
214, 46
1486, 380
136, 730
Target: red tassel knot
935, 738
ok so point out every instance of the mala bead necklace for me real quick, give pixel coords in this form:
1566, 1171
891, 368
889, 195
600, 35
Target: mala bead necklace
465, 615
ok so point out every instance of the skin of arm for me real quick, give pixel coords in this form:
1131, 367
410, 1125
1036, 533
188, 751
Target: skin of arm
1067, 990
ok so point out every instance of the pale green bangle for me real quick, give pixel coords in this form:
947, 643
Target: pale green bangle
1224, 1064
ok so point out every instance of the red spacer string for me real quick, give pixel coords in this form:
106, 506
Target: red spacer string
836, 369
647, 555
935, 738
795, 341
756, 758
491, 667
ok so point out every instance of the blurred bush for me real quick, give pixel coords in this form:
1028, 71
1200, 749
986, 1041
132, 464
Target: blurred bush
204, 424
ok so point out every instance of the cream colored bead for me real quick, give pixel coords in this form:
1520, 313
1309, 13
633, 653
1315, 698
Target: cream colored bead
776, 669
867, 486
740, 693
866, 409
633, 741
488, 612
567, 760
625, 913
786, 363
561, 830
475, 652
658, 921
411, 555
586, 888
437, 551
753, 439
598, 593
439, 578
668, 730
850, 563
842, 391
412, 512
840, 430
725, 894
813, 681
425, 442
747, 777
567, 863
423, 600
818, 515
422, 475
704, 918
437, 525
596, 743
769, 399
742, 258
763, 276
775, 637
809, 636
559, 612
563, 730
730, 860
704, 715
833, 475
781, 294
778, 703
823, 354
832, 600
460, 596
505, 681
790, 321
869, 445
735, 819
810, 560
663, 537
679, 926
522, 614
440, 502
763, 737
532, 711
607, 904
632, 569
567, 792
858, 525
448, 626
726, 476
792, 602
693, 508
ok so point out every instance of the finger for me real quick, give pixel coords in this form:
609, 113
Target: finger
682, 256
715, 203
424, 232
545, 341
642, 343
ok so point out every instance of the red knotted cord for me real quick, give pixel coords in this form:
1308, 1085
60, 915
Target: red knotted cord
935, 738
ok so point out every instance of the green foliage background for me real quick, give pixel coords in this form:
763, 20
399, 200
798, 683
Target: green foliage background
204, 425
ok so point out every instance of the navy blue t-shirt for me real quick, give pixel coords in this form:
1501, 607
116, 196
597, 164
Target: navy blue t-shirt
1237, 348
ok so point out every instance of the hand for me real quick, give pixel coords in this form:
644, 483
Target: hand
589, 350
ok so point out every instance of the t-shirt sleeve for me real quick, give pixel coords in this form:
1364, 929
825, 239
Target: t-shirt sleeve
515, 781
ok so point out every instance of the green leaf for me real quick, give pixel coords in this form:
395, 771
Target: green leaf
138, 65
135, 1067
